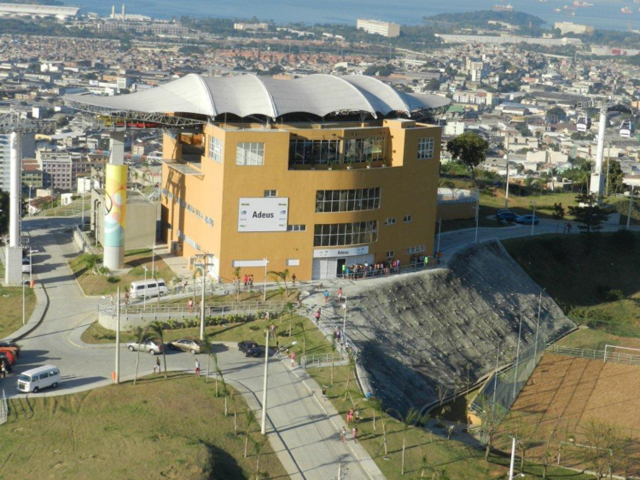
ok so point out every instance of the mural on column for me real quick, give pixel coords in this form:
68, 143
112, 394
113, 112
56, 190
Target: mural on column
115, 205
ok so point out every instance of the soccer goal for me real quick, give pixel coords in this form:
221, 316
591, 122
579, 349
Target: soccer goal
618, 354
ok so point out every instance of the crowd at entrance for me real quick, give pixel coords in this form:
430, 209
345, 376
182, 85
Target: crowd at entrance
369, 270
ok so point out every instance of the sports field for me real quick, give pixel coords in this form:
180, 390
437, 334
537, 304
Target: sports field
565, 393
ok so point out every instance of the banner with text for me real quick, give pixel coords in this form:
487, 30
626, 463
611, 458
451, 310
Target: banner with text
263, 214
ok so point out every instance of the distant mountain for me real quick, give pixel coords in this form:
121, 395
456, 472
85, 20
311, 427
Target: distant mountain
480, 18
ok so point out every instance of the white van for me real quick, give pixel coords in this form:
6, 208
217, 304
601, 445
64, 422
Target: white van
148, 288
36, 379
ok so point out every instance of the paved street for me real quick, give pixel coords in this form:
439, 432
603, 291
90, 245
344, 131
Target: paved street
304, 430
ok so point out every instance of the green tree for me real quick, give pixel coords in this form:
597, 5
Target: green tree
4, 212
249, 421
470, 149
158, 331
615, 177
288, 310
588, 213
207, 348
300, 327
411, 419
139, 334
557, 214
491, 415
91, 263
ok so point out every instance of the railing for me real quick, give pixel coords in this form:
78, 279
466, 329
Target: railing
604, 355
213, 310
371, 272
85, 242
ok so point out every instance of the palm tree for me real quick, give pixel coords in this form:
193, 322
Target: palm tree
139, 333
289, 309
282, 276
236, 276
157, 330
259, 446
351, 368
375, 404
300, 326
215, 367
410, 419
91, 262
250, 420
334, 349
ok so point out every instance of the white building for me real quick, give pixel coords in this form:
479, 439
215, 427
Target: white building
454, 128
377, 27
250, 26
569, 27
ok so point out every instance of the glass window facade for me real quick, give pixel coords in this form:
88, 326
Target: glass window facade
347, 200
314, 152
342, 234
215, 149
364, 150
250, 154
425, 148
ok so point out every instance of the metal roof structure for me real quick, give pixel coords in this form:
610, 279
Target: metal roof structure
246, 95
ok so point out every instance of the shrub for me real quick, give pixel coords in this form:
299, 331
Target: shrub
113, 279
623, 240
614, 295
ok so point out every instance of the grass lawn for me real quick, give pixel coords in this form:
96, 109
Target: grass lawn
589, 280
597, 339
93, 284
426, 453
11, 308
234, 332
173, 429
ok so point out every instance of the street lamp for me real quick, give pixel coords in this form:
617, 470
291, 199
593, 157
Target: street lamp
144, 297
533, 219
344, 318
264, 287
153, 260
23, 303
263, 427
477, 213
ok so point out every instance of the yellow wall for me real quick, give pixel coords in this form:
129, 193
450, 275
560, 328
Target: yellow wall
408, 187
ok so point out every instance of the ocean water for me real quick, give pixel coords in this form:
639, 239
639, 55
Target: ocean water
604, 14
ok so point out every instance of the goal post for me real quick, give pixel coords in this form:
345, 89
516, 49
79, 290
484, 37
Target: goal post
625, 357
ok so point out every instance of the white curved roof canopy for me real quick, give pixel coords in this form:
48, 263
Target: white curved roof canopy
246, 95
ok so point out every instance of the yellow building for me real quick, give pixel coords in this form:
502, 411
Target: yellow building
309, 176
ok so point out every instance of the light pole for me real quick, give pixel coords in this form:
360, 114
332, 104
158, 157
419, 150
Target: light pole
344, 318
204, 266
477, 213
82, 195
263, 428
31, 265
117, 379
144, 298
515, 372
23, 303
533, 222
153, 260
513, 457
630, 207
535, 347
506, 158
264, 287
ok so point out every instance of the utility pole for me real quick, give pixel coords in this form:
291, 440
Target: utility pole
533, 222
117, 379
24, 313
204, 266
513, 457
506, 157
477, 213
264, 286
630, 207
263, 428
515, 374
495, 375
535, 345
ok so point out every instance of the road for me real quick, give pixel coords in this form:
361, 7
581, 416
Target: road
303, 430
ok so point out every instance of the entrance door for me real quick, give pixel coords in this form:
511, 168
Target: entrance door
341, 263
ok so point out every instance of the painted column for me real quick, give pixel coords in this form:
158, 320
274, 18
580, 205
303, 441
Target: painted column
597, 179
115, 205
15, 190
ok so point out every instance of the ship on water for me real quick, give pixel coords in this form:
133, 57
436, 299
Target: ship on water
626, 10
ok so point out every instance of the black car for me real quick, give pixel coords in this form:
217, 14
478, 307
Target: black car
256, 351
246, 345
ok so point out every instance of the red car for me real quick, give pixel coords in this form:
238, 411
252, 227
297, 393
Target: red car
10, 347
11, 358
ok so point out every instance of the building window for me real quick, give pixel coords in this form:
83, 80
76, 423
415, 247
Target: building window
361, 150
250, 154
341, 234
407, 219
215, 149
347, 200
296, 228
270, 193
390, 221
314, 152
416, 249
425, 148
390, 254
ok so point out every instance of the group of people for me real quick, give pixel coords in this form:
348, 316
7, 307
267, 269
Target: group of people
379, 269
354, 433
567, 227
247, 281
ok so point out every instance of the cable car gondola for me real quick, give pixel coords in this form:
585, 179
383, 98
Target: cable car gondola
583, 124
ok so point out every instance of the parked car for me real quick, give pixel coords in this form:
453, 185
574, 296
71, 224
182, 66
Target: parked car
256, 351
506, 215
148, 288
148, 345
246, 345
527, 220
36, 379
10, 347
26, 265
186, 345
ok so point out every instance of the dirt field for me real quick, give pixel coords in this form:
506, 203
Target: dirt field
566, 392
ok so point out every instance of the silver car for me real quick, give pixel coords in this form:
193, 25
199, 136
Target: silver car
148, 345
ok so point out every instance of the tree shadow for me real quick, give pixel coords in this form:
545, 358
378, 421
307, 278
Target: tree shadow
222, 466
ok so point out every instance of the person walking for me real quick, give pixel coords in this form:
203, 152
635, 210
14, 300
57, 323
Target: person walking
292, 356
326, 296
340, 294
354, 432
324, 393
294, 278
190, 305
157, 365
3, 369
317, 315
343, 435
426, 261
197, 368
